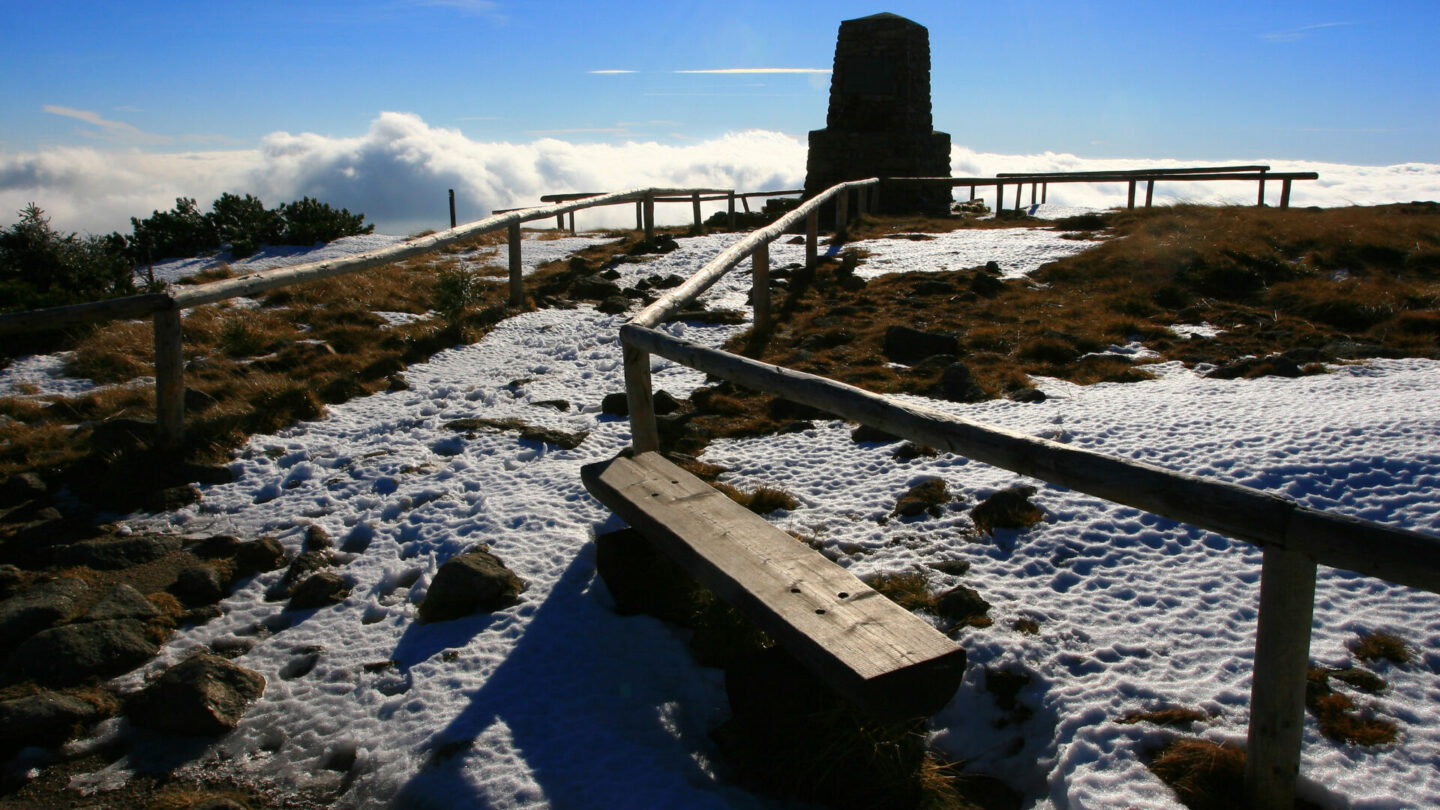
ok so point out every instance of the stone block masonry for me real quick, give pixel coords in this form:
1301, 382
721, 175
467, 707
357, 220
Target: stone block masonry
879, 122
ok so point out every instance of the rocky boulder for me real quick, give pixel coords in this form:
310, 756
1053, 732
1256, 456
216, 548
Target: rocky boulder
203, 696
476, 580
904, 344
44, 605
45, 718
71, 653
319, 590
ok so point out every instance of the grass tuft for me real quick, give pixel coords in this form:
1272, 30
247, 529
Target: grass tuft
1205, 775
1381, 646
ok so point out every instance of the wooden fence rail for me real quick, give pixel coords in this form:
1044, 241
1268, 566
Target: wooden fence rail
1294, 538
1255, 174
165, 308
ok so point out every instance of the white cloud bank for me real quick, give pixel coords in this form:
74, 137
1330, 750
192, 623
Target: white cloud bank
398, 173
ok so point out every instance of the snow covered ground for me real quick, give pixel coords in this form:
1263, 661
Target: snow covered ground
559, 702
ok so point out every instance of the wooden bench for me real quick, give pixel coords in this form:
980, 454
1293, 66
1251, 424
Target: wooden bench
885, 659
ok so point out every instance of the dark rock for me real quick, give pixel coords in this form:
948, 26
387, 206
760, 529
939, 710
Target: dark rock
48, 529
123, 602
986, 285
664, 403
22, 487
316, 538
615, 405
668, 281
71, 653
1007, 509
1304, 354
610, 275
993, 268
614, 305
935, 288
45, 718
1250, 367
122, 435
221, 545
957, 385
170, 499
559, 438
44, 605
198, 401
1027, 395
961, 604
260, 554
797, 426
596, 289
319, 590
475, 580
1358, 350
904, 344
556, 404
958, 568
866, 433
111, 553
301, 568
198, 585
203, 696
396, 383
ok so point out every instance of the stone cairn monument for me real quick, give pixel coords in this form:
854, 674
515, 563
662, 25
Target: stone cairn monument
879, 122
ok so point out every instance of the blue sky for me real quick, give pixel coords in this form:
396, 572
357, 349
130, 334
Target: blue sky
1336, 81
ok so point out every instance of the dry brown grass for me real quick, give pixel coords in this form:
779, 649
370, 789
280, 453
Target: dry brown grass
1174, 716
1204, 775
1381, 646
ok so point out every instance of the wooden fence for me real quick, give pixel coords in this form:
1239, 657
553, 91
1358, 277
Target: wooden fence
165, 308
1294, 538
1042, 180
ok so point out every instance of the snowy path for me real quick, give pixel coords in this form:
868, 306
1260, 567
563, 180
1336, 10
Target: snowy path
560, 702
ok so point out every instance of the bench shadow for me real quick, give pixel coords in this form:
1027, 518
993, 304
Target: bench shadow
589, 723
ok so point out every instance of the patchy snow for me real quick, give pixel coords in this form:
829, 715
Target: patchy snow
1018, 251
41, 376
536, 251
1196, 330
559, 702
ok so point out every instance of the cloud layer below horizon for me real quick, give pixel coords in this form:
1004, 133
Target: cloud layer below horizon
398, 173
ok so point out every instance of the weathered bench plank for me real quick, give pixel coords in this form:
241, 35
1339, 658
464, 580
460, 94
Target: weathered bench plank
879, 655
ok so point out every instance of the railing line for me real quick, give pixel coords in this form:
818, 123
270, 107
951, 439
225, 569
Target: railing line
1261, 518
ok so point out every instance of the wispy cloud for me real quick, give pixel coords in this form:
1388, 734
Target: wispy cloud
580, 131
110, 129
610, 72
1303, 31
750, 71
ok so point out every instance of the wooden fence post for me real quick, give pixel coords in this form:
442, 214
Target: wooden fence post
695, 208
842, 211
559, 222
169, 378
760, 285
1277, 691
572, 223
644, 434
999, 197
639, 215
517, 281
1033, 188
452, 207
812, 238
649, 217
972, 191
1044, 192
1285, 193
1131, 201
1261, 201
730, 209
1149, 192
